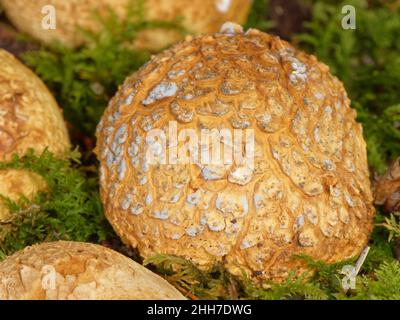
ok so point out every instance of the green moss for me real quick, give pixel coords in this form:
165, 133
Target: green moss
324, 281
393, 225
383, 285
294, 287
70, 210
257, 16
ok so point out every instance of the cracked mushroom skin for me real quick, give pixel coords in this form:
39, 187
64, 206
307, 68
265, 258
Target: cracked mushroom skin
308, 191
79, 271
204, 16
29, 118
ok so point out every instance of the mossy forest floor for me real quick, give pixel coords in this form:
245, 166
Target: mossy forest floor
366, 59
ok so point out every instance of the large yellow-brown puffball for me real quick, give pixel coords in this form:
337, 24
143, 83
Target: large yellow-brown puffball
79, 271
29, 119
199, 16
307, 190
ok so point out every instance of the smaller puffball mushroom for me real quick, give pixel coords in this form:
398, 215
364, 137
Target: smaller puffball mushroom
79, 271
59, 19
29, 119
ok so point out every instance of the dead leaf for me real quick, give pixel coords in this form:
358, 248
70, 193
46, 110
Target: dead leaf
387, 188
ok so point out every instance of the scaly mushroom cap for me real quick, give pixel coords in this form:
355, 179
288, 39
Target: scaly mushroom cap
309, 190
78, 271
199, 16
17, 183
29, 118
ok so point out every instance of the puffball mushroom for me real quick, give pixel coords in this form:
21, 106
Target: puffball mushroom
29, 119
307, 191
198, 16
79, 271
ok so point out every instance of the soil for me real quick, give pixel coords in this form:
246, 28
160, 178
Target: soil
289, 16
10, 42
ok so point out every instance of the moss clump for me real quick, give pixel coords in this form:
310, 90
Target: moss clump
70, 210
